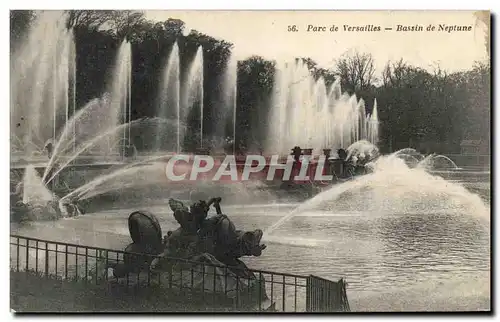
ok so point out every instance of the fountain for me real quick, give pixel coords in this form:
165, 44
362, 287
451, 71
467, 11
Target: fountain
362, 148
373, 124
305, 113
122, 173
34, 191
394, 188
193, 90
42, 87
169, 106
430, 162
434, 162
127, 177
106, 136
119, 105
98, 117
47, 118
227, 112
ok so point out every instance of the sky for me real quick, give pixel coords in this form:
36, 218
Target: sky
265, 33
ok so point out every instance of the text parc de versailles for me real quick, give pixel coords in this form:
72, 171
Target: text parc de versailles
400, 28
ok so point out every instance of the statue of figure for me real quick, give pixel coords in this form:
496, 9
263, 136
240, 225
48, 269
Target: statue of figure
216, 235
189, 219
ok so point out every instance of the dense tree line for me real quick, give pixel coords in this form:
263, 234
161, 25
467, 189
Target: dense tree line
430, 110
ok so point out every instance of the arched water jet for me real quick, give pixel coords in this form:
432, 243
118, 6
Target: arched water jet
124, 170
127, 177
88, 123
394, 188
111, 133
429, 162
411, 151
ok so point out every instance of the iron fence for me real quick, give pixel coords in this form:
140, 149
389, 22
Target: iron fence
200, 282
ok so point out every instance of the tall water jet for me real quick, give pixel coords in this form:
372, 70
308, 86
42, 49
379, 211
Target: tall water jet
373, 124
305, 113
119, 99
42, 71
279, 100
169, 100
193, 92
227, 112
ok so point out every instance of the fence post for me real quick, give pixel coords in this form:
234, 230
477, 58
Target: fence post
326, 296
46, 259
308, 294
17, 254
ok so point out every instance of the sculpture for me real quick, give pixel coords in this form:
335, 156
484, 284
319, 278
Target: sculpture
202, 254
197, 235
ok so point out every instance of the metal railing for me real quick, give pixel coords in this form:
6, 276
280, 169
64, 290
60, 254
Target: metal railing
197, 282
326, 296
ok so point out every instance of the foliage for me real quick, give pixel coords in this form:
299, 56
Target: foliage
20, 21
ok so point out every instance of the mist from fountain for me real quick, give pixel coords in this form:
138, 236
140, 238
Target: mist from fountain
35, 192
43, 79
169, 105
394, 188
193, 94
305, 113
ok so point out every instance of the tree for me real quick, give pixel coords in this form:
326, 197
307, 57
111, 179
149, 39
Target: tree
20, 21
356, 71
90, 19
123, 22
485, 18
